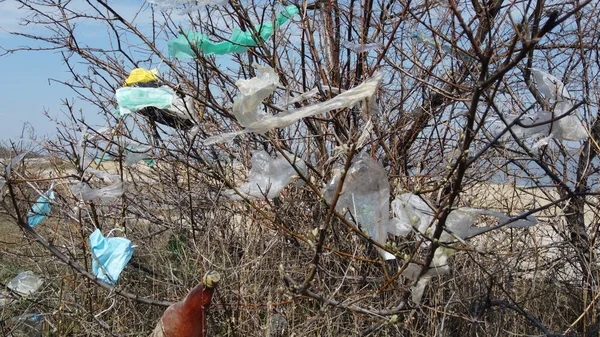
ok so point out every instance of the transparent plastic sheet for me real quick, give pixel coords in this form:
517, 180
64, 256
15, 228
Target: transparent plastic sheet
40, 210
238, 42
110, 255
252, 93
361, 48
25, 283
309, 94
549, 86
267, 176
186, 6
8, 168
136, 153
133, 99
421, 37
412, 273
141, 75
284, 119
566, 128
411, 211
85, 192
365, 193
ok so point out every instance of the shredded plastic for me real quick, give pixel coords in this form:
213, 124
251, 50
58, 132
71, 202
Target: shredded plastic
137, 153
361, 48
550, 86
365, 193
109, 256
85, 192
284, 119
40, 210
252, 93
186, 6
268, 176
542, 123
25, 283
141, 75
181, 47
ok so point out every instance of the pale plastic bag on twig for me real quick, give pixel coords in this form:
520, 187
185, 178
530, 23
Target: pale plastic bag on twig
25, 283
115, 190
542, 123
136, 153
412, 273
133, 99
268, 176
550, 86
361, 48
284, 119
41, 209
252, 93
186, 6
7, 170
365, 193
411, 210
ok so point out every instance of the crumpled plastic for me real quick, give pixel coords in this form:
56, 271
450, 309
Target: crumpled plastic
252, 94
40, 210
366, 194
7, 170
109, 256
549, 86
115, 190
237, 43
412, 273
186, 6
268, 176
133, 99
284, 119
181, 114
411, 211
361, 48
141, 75
25, 283
136, 153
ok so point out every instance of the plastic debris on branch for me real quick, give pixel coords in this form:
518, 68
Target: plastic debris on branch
252, 93
109, 256
8, 169
40, 210
136, 153
186, 6
133, 99
542, 123
141, 76
238, 42
268, 176
345, 99
361, 48
25, 283
366, 194
85, 192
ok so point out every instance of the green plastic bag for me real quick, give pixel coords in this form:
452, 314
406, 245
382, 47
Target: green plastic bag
238, 42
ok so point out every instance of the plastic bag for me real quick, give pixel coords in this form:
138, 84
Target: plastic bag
284, 119
25, 283
132, 99
115, 190
365, 193
186, 6
252, 94
136, 153
267, 176
40, 210
361, 48
549, 86
566, 128
411, 210
109, 255
141, 75
237, 43
412, 273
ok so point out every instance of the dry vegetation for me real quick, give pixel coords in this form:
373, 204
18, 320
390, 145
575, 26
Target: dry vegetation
290, 265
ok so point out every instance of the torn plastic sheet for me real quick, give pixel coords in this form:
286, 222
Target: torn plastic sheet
133, 99
549, 86
566, 128
412, 273
309, 94
346, 99
421, 37
361, 48
411, 211
85, 192
186, 6
40, 210
180, 115
14, 162
252, 93
366, 194
137, 153
268, 176
237, 43
109, 256
141, 75
25, 283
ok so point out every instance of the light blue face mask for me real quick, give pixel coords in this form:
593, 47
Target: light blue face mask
40, 210
109, 256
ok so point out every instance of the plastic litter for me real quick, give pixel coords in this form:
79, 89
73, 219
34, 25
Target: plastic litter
411, 211
566, 128
40, 210
186, 6
137, 153
237, 43
86, 192
268, 176
309, 94
412, 272
14, 162
133, 99
284, 119
180, 115
25, 283
141, 75
29, 325
361, 48
549, 86
252, 94
365, 193
109, 255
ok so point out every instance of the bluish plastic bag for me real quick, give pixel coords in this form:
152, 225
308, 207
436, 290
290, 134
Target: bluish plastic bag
133, 99
40, 210
112, 254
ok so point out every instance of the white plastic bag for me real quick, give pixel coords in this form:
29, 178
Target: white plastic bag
25, 283
252, 93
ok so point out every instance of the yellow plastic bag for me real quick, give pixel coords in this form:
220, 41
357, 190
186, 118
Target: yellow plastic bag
140, 75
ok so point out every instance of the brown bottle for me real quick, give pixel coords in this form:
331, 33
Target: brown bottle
187, 318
